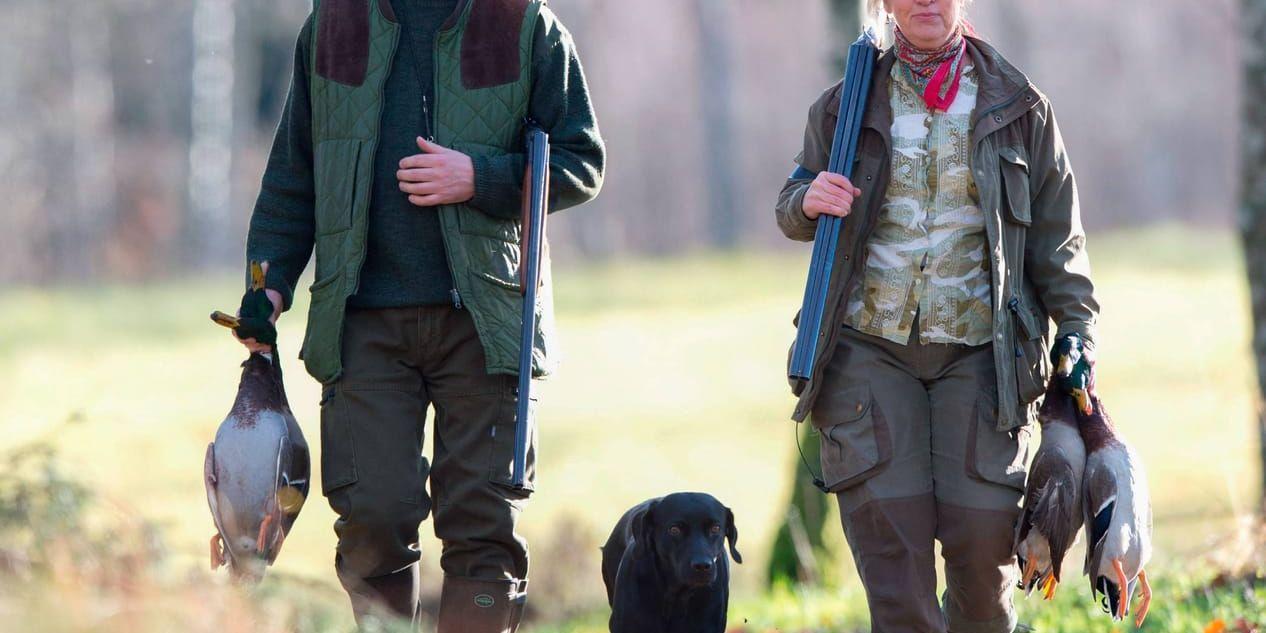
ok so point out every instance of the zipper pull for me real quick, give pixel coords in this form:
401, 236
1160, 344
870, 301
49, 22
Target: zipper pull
457, 298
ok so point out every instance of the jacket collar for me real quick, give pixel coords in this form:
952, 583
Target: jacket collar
1003, 92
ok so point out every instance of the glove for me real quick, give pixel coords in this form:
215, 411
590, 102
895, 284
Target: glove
1075, 370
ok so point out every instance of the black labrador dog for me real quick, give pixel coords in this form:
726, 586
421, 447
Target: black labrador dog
665, 566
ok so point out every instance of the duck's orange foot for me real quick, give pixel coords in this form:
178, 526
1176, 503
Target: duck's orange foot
262, 539
1145, 599
217, 552
1030, 568
1123, 590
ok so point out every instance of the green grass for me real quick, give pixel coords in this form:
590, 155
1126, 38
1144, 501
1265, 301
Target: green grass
672, 380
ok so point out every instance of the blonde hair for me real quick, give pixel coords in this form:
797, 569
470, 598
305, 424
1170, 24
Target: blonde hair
874, 16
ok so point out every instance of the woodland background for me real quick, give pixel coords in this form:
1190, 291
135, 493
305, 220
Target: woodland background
132, 138
106, 105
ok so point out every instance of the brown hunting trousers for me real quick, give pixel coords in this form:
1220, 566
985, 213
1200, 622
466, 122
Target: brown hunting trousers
399, 362
911, 447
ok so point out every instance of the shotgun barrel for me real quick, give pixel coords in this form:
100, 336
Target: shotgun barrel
532, 244
855, 91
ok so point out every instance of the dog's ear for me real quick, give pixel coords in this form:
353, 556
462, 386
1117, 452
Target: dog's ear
643, 527
731, 535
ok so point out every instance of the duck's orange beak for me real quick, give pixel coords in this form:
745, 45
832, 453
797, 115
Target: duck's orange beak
1083, 401
226, 320
1065, 366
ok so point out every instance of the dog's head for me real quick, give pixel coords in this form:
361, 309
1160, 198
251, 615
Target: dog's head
687, 533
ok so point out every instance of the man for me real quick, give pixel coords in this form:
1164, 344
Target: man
400, 160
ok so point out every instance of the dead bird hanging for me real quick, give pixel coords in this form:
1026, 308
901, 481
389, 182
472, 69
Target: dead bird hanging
257, 470
1052, 513
1118, 514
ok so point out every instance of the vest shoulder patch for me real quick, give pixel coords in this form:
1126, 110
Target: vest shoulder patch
342, 42
490, 45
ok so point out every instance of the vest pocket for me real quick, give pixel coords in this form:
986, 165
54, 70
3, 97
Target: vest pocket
855, 440
999, 457
337, 165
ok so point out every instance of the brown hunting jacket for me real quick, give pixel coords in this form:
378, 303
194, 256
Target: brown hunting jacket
1037, 262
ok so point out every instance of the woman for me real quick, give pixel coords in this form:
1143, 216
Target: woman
963, 239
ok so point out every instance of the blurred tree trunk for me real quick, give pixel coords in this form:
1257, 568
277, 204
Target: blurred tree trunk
799, 544
1253, 191
717, 117
208, 232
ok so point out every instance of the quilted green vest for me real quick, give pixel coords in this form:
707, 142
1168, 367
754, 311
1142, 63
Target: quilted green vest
482, 87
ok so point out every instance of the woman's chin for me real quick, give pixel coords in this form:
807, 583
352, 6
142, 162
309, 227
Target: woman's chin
928, 37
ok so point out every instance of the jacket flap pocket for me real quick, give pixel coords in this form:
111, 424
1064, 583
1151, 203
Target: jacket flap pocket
1015, 185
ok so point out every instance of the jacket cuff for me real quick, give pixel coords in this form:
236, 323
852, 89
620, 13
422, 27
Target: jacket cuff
275, 280
496, 191
796, 212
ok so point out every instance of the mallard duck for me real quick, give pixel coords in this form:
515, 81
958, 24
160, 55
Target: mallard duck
257, 469
1073, 369
1118, 515
1052, 512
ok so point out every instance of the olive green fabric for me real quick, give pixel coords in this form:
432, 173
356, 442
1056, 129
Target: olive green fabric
345, 127
911, 449
398, 363
1037, 259
483, 251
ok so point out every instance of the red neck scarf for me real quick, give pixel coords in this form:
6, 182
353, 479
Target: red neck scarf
936, 72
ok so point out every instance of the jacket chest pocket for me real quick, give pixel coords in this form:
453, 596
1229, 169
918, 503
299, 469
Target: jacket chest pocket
1015, 196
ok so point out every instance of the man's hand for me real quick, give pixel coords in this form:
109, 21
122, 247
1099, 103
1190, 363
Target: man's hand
251, 344
250, 302
829, 194
438, 175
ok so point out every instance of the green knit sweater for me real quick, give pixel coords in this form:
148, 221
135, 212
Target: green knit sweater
405, 263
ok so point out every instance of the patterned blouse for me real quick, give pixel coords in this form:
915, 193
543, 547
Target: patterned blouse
927, 255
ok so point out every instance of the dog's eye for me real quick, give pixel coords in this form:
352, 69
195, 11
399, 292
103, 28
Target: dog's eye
716, 529
674, 531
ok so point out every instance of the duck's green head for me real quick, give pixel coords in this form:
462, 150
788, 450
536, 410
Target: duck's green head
1072, 369
254, 318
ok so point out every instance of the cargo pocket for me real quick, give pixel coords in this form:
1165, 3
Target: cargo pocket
999, 457
338, 453
501, 457
856, 444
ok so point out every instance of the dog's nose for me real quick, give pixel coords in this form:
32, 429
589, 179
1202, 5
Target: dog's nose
702, 565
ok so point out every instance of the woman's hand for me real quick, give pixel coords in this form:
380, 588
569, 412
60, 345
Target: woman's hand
438, 175
829, 194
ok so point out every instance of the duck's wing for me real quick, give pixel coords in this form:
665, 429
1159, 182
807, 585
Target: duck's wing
1057, 513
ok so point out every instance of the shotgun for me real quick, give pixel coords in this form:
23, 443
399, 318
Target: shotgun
855, 91
532, 243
